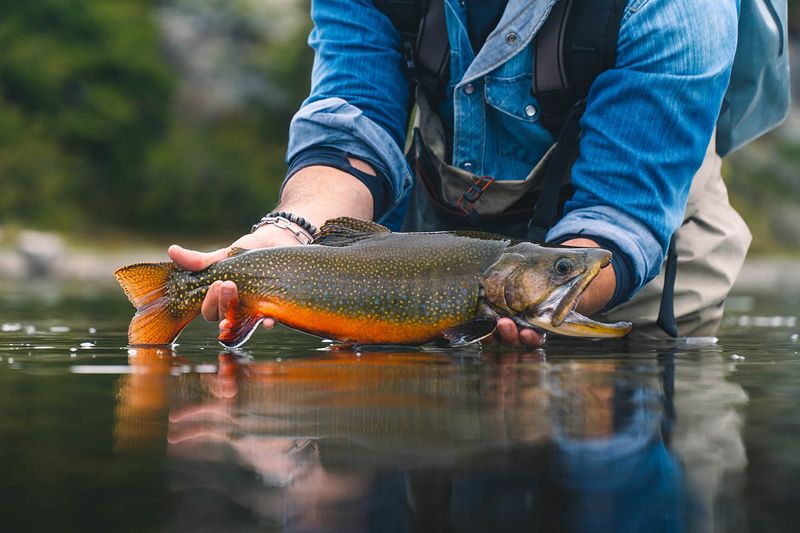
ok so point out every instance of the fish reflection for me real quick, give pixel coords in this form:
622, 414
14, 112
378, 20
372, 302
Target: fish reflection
420, 441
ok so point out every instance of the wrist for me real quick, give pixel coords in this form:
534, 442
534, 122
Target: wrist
290, 224
366, 173
320, 193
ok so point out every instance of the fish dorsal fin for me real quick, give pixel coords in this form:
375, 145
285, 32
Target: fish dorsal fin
344, 231
471, 332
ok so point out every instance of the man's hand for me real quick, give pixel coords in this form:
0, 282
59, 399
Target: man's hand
221, 293
314, 193
594, 298
508, 334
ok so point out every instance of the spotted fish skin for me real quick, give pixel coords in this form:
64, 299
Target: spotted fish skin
384, 288
359, 283
392, 288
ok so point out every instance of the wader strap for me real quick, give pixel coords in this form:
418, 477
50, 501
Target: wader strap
423, 33
551, 72
433, 51
545, 211
666, 312
575, 45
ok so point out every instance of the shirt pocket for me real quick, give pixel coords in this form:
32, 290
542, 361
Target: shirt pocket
513, 115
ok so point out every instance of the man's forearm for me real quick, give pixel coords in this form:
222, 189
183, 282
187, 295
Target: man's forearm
319, 193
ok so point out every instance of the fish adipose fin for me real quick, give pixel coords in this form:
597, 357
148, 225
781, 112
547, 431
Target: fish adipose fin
159, 317
241, 324
469, 333
344, 231
233, 252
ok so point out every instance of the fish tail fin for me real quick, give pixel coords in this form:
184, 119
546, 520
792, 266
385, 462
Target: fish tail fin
160, 316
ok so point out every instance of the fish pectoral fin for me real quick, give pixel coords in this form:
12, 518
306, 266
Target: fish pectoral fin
241, 323
344, 231
470, 332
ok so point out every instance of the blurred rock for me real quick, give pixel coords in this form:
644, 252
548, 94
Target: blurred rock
12, 266
789, 132
785, 224
220, 50
768, 274
41, 253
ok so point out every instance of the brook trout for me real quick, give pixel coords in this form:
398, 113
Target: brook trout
359, 283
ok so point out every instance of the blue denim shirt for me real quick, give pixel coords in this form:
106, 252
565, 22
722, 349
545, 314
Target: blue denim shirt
647, 124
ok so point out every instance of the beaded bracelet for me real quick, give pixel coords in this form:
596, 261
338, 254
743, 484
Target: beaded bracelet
282, 219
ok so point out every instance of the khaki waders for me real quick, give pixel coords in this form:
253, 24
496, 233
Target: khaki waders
711, 243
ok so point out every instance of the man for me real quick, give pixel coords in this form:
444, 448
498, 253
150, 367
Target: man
647, 128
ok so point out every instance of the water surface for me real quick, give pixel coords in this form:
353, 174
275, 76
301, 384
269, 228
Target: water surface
694, 435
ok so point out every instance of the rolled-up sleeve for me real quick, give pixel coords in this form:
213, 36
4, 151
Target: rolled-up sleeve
647, 125
359, 92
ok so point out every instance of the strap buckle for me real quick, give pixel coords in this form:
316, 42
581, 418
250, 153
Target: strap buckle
466, 202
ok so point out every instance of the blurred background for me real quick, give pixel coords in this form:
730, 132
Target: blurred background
129, 124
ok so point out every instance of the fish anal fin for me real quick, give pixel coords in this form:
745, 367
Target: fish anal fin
469, 332
344, 231
240, 325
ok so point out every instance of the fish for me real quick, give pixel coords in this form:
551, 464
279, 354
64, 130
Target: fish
359, 283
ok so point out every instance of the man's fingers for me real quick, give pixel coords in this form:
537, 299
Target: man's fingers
227, 294
217, 300
209, 309
193, 260
508, 332
530, 338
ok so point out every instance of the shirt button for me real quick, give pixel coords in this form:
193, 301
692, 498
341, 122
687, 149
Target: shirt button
469, 88
511, 38
530, 110
468, 166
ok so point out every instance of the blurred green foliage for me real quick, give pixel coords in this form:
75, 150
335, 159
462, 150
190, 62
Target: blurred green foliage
93, 133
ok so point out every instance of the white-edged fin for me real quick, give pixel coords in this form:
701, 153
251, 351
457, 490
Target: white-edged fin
241, 325
470, 332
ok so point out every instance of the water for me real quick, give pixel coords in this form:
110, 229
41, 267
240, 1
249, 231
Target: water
285, 436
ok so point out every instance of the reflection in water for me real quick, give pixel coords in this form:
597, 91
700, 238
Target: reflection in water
423, 441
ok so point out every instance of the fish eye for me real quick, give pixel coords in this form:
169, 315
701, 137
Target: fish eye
563, 266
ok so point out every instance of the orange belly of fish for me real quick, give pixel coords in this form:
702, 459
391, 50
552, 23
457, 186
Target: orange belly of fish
356, 329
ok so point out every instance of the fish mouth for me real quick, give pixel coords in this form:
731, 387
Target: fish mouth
576, 325
557, 313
